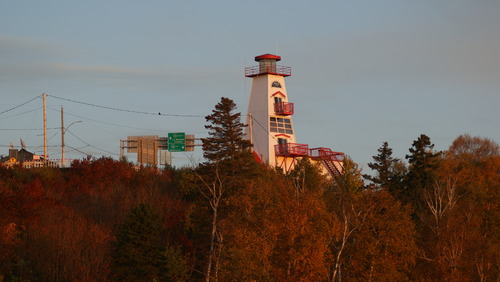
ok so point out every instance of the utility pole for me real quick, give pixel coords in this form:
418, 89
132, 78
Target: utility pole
62, 137
44, 98
63, 131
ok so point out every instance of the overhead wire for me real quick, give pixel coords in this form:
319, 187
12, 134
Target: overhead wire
49, 146
27, 129
8, 110
18, 114
33, 119
86, 143
111, 123
53, 135
98, 121
78, 149
268, 133
265, 129
21, 113
85, 118
120, 109
103, 122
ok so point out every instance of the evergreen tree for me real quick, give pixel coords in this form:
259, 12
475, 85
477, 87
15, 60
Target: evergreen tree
226, 141
423, 162
389, 170
138, 254
230, 162
174, 267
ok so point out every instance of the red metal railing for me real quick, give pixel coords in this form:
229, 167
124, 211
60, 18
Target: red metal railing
326, 153
283, 108
268, 69
291, 149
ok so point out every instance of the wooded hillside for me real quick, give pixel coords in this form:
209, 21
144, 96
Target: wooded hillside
434, 217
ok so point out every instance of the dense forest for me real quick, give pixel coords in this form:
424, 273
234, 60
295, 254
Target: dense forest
427, 216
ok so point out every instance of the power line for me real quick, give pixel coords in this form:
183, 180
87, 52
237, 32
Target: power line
35, 147
78, 150
37, 97
91, 145
21, 113
26, 129
103, 122
111, 123
122, 110
268, 133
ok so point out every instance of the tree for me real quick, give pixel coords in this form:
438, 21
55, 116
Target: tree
346, 218
56, 225
383, 245
474, 147
389, 171
460, 233
213, 188
423, 163
373, 235
308, 176
66, 246
351, 180
226, 141
229, 164
274, 232
138, 253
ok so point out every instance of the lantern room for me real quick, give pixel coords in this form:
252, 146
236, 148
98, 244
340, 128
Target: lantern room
267, 65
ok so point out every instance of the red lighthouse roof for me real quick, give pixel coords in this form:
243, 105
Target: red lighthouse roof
268, 56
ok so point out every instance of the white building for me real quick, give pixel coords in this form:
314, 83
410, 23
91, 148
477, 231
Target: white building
271, 129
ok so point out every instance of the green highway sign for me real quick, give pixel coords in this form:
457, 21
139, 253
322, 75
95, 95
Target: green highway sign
177, 142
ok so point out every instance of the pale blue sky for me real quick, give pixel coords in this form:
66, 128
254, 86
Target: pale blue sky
363, 72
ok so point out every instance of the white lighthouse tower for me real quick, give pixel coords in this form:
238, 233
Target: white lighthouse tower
270, 114
271, 129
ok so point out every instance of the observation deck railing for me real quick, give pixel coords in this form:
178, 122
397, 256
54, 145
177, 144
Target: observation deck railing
291, 150
283, 108
326, 153
268, 69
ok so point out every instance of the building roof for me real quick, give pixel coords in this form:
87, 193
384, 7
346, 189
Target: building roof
268, 56
18, 155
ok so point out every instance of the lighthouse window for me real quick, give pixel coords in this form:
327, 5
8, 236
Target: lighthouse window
281, 125
276, 84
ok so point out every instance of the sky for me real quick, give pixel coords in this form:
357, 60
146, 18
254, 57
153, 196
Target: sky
363, 71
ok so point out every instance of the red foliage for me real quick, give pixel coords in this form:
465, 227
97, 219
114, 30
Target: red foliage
59, 223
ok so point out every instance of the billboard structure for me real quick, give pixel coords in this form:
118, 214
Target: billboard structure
152, 149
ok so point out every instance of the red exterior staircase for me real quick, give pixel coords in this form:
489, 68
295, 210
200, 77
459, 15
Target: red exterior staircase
330, 159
